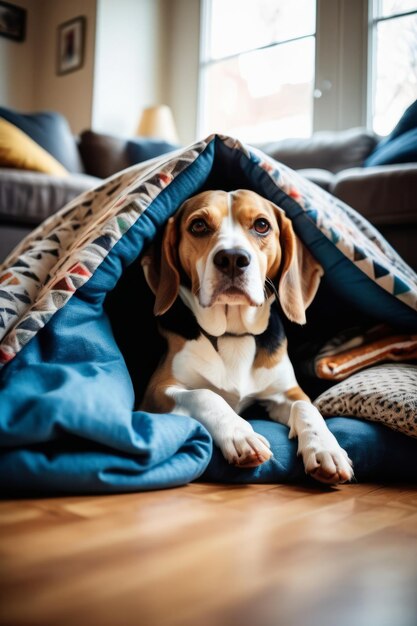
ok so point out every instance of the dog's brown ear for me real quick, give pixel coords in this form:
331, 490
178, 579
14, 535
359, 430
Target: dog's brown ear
160, 266
299, 275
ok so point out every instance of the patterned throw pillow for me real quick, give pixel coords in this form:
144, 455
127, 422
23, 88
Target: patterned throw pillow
385, 393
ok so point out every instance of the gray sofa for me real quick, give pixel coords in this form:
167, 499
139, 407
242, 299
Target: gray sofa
385, 195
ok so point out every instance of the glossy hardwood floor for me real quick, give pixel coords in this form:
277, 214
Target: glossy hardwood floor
212, 555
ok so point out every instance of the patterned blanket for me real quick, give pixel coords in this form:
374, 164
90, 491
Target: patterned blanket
65, 389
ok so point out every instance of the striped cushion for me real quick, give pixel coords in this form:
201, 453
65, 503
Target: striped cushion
352, 351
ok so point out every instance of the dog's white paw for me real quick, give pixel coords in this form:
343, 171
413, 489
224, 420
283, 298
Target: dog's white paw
327, 464
242, 447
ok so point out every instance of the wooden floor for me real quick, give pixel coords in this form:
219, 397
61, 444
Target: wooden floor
210, 555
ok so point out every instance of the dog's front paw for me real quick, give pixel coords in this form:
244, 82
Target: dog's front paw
242, 447
328, 464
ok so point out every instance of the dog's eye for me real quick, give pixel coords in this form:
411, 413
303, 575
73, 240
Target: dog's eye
198, 227
261, 226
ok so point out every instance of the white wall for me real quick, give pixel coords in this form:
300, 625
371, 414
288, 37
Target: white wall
341, 64
147, 52
182, 70
129, 46
17, 80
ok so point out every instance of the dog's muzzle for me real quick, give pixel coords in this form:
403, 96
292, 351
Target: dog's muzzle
234, 280
232, 262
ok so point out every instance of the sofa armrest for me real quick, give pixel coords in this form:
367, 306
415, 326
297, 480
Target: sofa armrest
322, 178
384, 195
30, 197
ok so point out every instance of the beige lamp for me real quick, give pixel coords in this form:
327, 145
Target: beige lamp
158, 121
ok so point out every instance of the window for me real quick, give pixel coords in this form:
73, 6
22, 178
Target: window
257, 68
393, 38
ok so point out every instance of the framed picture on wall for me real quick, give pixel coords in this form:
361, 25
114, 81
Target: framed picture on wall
70, 45
12, 21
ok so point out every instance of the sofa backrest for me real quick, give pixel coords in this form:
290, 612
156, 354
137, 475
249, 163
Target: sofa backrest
104, 155
329, 150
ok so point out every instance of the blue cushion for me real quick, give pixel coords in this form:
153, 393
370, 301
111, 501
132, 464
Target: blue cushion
141, 149
400, 146
408, 121
402, 149
378, 454
51, 131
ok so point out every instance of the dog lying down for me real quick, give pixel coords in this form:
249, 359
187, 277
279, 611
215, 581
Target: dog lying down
225, 257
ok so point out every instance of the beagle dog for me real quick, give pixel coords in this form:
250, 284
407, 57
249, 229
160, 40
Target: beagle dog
225, 257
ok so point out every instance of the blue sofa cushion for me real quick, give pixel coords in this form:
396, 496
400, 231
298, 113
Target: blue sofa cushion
142, 149
408, 121
51, 131
400, 146
378, 454
402, 149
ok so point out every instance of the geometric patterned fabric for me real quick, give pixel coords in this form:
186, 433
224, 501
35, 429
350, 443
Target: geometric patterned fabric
385, 393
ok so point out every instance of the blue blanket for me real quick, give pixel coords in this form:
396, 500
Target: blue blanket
67, 390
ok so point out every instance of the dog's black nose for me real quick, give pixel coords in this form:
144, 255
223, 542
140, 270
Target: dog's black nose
232, 262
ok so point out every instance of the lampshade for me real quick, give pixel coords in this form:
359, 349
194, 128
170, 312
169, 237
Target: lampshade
158, 121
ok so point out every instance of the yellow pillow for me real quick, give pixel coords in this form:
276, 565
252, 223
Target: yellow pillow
20, 151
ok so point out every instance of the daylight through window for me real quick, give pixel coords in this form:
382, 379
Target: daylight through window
257, 72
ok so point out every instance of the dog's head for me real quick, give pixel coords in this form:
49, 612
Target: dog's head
227, 246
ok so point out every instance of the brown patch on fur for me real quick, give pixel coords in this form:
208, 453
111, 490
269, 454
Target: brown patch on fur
296, 393
155, 399
300, 274
212, 207
263, 358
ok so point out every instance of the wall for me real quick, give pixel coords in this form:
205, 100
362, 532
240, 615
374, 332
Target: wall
341, 64
17, 80
182, 69
28, 79
70, 94
129, 53
138, 53
147, 52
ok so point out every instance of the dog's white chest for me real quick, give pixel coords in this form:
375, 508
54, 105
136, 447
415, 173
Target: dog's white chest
228, 370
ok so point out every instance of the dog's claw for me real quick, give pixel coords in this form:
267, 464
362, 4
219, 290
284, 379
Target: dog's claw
329, 467
244, 448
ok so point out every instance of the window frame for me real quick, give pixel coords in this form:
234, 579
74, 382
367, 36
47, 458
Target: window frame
344, 31
373, 21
